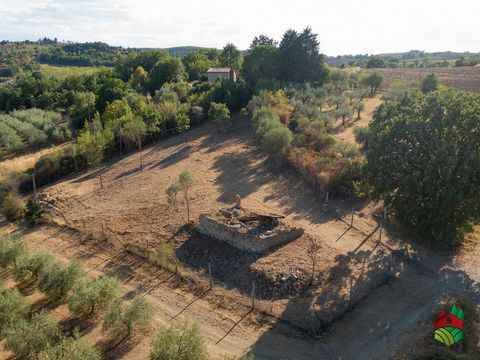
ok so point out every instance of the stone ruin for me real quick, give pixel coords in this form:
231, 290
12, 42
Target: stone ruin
247, 230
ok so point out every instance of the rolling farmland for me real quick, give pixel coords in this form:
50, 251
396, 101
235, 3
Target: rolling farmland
464, 78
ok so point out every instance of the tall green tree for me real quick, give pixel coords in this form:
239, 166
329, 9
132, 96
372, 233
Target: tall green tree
170, 69
299, 58
259, 64
423, 161
231, 57
135, 130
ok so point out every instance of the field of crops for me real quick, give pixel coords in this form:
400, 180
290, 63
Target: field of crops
463, 78
65, 71
28, 129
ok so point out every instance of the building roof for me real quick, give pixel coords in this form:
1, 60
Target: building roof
218, 70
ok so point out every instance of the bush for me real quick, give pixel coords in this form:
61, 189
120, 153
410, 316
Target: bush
13, 306
13, 207
179, 342
11, 247
22, 266
91, 296
70, 348
33, 212
57, 280
123, 319
28, 338
40, 265
362, 135
277, 140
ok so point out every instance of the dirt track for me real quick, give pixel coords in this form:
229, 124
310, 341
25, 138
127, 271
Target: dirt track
132, 204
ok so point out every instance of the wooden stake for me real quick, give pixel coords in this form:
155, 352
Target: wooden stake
210, 275
380, 235
353, 213
84, 227
253, 295
34, 184
103, 229
326, 198
101, 182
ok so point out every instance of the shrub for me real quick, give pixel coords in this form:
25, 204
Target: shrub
11, 247
28, 338
57, 279
13, 207
178, 342
91, 296
22, 265
362, 134
70, 348
13, 306
123, 319
41, 264
276, 140
33, 212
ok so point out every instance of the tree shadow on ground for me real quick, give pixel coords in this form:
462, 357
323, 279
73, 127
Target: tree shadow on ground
401, 290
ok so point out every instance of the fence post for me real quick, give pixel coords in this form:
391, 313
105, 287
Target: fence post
253, 295
210, 275
103, 229
353, 213
101, 181
34, 184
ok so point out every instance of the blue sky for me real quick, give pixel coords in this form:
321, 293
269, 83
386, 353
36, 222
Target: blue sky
344, 27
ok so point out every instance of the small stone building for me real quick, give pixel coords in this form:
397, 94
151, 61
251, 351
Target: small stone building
247, 230
225, 73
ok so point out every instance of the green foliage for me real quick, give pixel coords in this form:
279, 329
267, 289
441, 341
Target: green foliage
260, 64
231, 57
41, 264
33, 212
70, 348
93, 140
277, 140
11, 246
218, 112
374, 80
13, 307
169, 69
362, 135
12, 207
299, 59
429, 83
58, 279
178, 342
28, 338
89, 297
123, 319
376, 62
423, 160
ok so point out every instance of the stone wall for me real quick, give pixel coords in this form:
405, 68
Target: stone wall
245, 241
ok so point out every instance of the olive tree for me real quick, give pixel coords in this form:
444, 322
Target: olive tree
13, 307
70, 348
124, 318
179, 342
183, 185
28, 338
135, 130
429, 83
58, 279
423, 161
88, 297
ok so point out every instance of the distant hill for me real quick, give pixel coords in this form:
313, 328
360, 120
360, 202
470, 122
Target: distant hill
417, 58
183, 50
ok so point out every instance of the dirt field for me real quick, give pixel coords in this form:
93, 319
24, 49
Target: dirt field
26, 161
366, 300
463, 78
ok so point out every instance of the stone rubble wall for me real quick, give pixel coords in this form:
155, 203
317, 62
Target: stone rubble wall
244, 241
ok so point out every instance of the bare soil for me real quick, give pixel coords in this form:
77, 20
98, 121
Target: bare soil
371, 290
463, 78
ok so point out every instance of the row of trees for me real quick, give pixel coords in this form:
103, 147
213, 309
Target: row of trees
38, 336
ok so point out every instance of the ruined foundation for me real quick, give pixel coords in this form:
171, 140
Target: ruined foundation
247, 230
